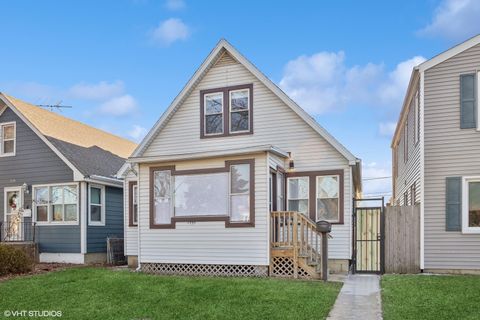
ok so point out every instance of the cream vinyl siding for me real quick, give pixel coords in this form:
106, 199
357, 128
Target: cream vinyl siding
130, 233
208, 242
274, 124
408, 172
449, 151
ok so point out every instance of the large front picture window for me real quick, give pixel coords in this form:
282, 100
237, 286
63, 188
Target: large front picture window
201, 195
224, 194
56, 204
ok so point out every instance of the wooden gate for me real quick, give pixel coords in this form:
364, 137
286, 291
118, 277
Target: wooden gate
368, 237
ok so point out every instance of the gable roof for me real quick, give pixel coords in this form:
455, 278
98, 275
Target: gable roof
214, 55
86, 150
414, 79
473, 41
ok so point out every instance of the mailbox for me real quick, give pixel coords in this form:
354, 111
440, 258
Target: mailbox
324, 226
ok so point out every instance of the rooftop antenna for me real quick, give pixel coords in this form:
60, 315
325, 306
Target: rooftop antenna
57, 106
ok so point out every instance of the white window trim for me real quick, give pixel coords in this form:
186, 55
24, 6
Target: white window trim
49, 222
465, 228
230, 110
134, 200
338, 197
205, 114
477, 100
308, 192
102, 205
4, 124
416, 112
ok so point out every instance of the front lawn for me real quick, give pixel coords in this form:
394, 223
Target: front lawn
430, 297
97, 293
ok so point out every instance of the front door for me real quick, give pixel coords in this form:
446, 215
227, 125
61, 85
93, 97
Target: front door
13, 226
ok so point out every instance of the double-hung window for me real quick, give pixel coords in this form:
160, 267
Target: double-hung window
298, 194
133, 200
471, 205
317, 194
239, 110
226, 111
328, 192
7, 139
214, 117
96, 205
56, 204
223, 194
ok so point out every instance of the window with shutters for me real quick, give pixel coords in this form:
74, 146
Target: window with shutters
468, 103
471, 205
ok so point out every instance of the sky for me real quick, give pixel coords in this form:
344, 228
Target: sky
121, 63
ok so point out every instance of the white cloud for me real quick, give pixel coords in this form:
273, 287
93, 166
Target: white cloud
137, 133
387, 129
175, 5
99, 91
454, 20
377, 179
323, 82
169, 31
119, 106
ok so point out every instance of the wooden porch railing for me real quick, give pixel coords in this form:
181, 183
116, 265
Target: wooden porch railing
294, 233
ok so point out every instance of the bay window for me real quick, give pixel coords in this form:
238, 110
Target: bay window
222, 194
56, 204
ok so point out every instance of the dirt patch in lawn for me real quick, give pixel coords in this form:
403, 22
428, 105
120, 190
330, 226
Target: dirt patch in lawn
40, 268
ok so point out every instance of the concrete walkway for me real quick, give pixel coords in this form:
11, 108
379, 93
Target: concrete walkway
358, 299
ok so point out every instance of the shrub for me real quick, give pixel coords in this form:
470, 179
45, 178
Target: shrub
14, 260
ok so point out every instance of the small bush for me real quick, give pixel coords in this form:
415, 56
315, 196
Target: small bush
14, 260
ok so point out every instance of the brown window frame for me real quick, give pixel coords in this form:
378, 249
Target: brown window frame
226, 111
312, 191
131, 223
193, 219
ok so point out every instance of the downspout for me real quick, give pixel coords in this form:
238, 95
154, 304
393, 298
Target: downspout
137, 174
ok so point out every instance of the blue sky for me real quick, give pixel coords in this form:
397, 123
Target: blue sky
120, 63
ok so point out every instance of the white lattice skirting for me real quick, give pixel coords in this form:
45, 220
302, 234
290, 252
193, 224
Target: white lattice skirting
205, 269
283, 267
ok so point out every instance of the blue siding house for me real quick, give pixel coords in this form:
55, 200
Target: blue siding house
57, 183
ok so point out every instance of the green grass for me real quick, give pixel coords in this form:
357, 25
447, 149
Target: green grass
97, 293
430, 297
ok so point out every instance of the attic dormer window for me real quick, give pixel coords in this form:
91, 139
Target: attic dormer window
7, 139
226, 111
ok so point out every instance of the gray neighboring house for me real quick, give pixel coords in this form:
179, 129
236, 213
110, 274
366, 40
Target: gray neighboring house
436, 162
57, 183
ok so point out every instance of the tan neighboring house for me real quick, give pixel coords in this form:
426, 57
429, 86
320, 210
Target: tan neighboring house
435, 152
231, 148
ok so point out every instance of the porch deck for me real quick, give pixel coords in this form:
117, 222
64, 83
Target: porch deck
295, 246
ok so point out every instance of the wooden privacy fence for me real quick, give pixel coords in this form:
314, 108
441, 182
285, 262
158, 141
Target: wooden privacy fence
402, 239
